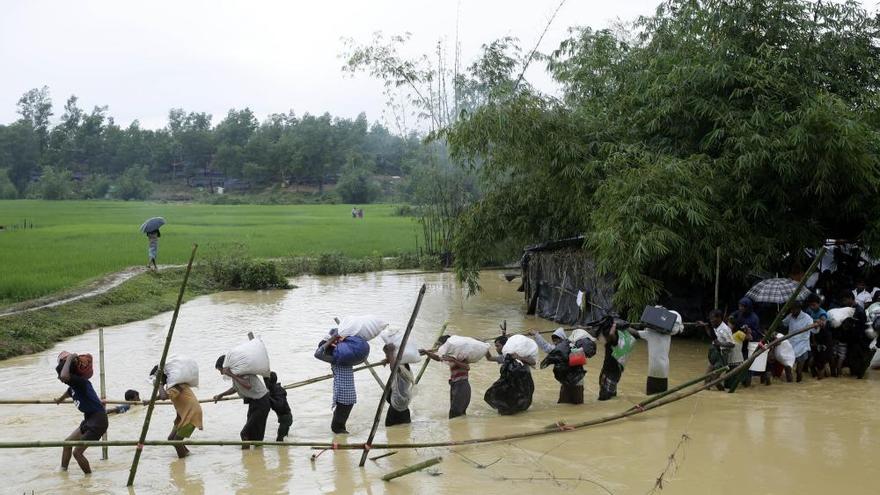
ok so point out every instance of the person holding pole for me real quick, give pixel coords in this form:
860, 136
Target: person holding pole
459, 385
255, 394
186, 404
94, 422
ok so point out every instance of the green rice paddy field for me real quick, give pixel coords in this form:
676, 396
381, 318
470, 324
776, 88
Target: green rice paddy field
74, 241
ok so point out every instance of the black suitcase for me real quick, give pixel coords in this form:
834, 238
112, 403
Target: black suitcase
659, 319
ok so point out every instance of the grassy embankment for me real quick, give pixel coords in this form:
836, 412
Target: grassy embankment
74, 242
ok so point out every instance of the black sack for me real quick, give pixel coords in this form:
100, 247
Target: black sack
512, 392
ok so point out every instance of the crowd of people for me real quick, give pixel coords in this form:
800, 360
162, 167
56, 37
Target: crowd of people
817, 347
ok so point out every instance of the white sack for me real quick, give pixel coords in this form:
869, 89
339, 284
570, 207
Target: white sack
837, 315
759, 365
784, 352
366, 327
250, 358
522, 346
410, 352
181, 369
464, 349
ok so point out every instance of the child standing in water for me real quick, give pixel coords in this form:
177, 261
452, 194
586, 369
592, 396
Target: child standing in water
94, 422
279, 404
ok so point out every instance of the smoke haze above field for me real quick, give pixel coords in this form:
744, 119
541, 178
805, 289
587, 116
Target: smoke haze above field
142, 59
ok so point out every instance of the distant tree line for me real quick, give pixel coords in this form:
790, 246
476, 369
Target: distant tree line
87, 154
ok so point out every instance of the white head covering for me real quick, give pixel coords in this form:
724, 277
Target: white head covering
579, 334
560, 332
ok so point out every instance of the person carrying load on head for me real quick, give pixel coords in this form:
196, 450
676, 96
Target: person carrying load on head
401, 389
187, 407
344, 392
74, 371
254, 393
822, 345
567, 358
459, 386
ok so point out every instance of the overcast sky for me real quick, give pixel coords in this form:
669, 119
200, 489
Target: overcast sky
143, 58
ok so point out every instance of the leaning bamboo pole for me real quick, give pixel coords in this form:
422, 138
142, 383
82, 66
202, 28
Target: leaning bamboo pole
151, 405
427, 359
391, 376
375, 375
104, 453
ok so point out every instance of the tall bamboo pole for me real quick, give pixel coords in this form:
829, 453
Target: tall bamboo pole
104, 453
392, 375
717, 273
146, 427
427, 359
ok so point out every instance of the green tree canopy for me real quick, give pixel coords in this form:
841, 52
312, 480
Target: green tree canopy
746, 124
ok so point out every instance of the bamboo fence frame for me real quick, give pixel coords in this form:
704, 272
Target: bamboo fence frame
646, 405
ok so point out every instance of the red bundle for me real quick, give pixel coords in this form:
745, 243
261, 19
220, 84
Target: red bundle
82, 366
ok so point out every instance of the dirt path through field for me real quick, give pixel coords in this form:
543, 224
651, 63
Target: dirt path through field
95, 288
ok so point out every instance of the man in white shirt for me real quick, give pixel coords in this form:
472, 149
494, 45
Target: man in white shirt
722, 343
862, 294
799, 320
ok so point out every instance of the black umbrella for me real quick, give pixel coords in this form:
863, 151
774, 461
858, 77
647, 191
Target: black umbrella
152, 224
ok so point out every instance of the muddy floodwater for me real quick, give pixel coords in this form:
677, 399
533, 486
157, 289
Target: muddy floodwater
814, 437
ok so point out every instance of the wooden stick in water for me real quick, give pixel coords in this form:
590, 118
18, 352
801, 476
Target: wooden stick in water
387, 454
104, 453
411, 469
427, 359
392, 375
151, 405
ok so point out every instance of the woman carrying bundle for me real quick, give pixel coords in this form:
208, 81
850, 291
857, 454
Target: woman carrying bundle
567, 356
187, 407
618, 345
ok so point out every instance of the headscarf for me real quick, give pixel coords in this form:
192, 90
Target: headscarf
560, 332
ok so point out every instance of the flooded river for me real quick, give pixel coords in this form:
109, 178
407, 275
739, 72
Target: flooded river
813, 437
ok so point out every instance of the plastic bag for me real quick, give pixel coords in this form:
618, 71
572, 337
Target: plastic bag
250, 358
522, 346
784, 352
837, 315
464, 349
366, 327
181, 369
410, 352
512, 392
351, 351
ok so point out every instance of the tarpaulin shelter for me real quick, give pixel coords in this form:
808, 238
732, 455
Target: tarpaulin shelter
554, 272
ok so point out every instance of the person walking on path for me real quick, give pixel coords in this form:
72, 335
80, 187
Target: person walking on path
153, 249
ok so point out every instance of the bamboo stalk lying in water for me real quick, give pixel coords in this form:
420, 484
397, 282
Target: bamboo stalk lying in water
411, 469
